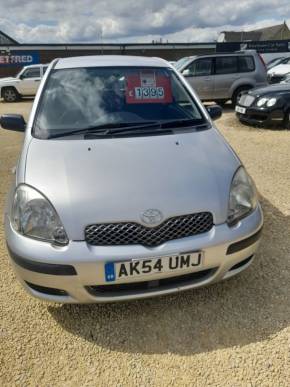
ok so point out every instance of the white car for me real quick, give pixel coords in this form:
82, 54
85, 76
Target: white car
277, 73
25, 83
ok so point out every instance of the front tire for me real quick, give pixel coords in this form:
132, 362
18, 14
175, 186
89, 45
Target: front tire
10, 94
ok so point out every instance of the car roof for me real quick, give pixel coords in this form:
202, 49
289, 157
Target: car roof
35, 65
215, 54
109, 61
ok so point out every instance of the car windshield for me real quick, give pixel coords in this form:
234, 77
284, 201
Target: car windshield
20, 72
95, 97
181, 62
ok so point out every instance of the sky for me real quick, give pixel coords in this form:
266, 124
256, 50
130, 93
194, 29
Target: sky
87, 21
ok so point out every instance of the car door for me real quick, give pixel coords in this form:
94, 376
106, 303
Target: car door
30, 80
199, 73
226, 73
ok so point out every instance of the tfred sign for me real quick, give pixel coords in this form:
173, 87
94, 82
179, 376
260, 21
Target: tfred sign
19, 58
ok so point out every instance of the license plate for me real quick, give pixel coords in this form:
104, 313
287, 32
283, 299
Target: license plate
115, 271
240, 109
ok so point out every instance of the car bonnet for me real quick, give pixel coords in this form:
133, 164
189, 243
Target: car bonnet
115, 180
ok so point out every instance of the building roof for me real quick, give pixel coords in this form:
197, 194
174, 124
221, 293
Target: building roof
6, 39
277, 32
109, 60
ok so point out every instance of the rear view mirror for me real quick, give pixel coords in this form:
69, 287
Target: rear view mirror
14, 122
214, 111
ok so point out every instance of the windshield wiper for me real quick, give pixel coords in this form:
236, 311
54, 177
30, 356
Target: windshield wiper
104, 128
131, 127
161, 127
136, 131
168, 124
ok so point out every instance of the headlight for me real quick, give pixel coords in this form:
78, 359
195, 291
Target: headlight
34, 217
261, 101
271, 102
266, 101
243, 196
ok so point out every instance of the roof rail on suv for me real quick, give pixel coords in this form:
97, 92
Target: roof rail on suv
245, 52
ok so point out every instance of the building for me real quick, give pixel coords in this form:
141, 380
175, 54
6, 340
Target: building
6, 39
278, 32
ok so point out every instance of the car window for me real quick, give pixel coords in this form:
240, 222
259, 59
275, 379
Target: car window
85, 97
200, 67
226, 65
246, 64
31, 73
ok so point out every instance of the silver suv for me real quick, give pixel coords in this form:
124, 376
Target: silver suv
221, 77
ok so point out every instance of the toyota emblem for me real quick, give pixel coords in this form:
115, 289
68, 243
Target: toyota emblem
151, 216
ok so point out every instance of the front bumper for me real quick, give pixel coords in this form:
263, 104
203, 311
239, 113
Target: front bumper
262, 116
75, 273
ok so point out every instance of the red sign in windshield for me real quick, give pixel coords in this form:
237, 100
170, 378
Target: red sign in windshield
147, 86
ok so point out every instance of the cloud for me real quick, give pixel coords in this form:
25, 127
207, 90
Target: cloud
130, 20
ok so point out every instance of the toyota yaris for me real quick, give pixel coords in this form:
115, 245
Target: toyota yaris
124, 188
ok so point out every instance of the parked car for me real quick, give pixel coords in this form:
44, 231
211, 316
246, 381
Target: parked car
276, 61
265, 106
124, 188
25, 83
277, 73
221, 77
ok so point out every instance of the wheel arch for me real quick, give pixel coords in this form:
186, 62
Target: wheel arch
246, 85
8, 87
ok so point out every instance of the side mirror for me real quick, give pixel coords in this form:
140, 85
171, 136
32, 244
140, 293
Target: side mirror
214, 111
187, 73
14, 122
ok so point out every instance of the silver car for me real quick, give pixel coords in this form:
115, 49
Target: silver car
221, 77
124, 188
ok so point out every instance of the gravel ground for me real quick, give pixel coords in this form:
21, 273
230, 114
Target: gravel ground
235, 333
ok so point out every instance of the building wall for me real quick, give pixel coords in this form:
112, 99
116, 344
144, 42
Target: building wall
283, 34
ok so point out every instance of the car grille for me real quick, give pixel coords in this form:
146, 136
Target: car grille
116, 290
246, 100
109, 234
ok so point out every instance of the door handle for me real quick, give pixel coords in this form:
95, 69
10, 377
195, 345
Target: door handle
36, 80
